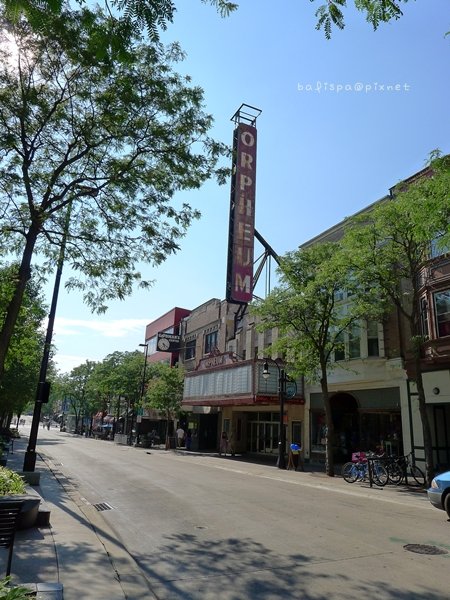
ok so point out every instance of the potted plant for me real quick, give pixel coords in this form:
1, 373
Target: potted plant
13, 593
13, 487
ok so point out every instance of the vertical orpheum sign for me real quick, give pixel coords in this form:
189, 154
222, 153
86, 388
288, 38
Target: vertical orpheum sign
242, 216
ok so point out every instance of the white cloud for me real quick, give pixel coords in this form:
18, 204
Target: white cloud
118, 328
66, 362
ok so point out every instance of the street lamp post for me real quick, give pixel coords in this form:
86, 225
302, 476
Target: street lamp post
43, 387
142, 387
282, 379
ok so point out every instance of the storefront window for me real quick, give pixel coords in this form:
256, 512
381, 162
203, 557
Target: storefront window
297, 432
318, 432
381, 431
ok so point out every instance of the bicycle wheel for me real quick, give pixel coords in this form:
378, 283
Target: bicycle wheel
417, 475
350, 472
395, 473
379, 475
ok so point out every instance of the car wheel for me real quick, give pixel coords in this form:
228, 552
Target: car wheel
447, 504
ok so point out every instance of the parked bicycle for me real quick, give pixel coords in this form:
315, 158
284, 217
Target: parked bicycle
403, 469
394, 469
359, 469
411, 473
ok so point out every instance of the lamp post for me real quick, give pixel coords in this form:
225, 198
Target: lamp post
142, 387
43, 387
282, 379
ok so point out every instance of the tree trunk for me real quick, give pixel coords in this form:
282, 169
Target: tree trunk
329, 460
13, 309
167, 430
426, 429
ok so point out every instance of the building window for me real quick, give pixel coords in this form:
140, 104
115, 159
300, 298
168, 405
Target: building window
339, 353
211, 342
152, 345
354, 341
373, 348
189, 350
442, 310
437, 247
358, 342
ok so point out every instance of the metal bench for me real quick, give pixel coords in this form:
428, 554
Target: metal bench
9, 512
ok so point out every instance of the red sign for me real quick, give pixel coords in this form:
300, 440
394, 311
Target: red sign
242, 216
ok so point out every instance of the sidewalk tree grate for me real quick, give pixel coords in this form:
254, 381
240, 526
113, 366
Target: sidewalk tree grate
102, 506
424, 549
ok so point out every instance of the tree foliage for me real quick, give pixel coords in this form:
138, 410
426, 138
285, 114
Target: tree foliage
310, 318
129, 18
114, 141
376, 12
390, 244
133, 17
119, 374
73, 389
19, 384
165, 389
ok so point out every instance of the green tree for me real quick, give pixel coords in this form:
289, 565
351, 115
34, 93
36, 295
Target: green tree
165, 390
119, 374
128, 17
112, 141
73, 388
311, 319
330, 14
116, 384
154, 15
19, 383
390, 245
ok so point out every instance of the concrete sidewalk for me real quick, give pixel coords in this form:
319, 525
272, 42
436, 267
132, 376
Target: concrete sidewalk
77, 556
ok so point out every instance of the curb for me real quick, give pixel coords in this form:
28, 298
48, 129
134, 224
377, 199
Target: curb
45, 591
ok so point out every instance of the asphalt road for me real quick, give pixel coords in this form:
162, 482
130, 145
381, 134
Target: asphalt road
209, 528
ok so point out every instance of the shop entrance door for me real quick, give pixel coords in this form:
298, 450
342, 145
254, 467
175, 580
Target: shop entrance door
264, 437
441, 418
344, 410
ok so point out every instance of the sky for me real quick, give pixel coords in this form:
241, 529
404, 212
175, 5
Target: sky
342, 121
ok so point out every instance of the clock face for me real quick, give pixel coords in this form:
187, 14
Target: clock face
163, 344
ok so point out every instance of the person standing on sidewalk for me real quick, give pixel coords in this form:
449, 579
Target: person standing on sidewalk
180, 436
223, 443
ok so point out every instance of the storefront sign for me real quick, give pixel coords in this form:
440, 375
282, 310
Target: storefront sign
218, 360
242, 216
168, 342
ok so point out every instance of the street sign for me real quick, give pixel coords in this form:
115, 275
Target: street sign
291, 388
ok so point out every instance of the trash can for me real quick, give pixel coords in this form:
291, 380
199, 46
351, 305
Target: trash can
295, 458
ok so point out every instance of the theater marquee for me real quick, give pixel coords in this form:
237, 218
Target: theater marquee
242, 216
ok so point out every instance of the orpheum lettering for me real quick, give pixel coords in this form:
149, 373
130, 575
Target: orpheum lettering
242, 217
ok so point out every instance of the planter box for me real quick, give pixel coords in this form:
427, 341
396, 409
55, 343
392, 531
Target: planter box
30, 508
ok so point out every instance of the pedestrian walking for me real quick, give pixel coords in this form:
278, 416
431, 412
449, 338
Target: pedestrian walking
223, 443
180, 436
